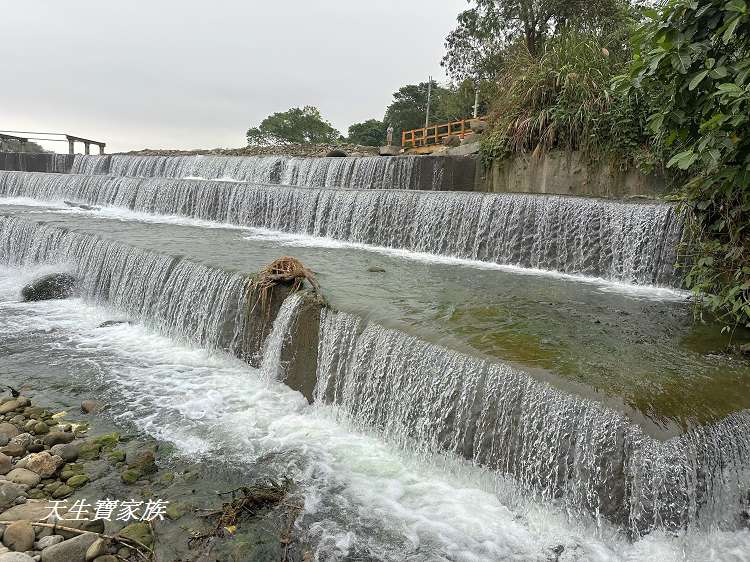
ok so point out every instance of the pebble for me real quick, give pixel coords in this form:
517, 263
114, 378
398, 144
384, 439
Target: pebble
5, 464
99, 548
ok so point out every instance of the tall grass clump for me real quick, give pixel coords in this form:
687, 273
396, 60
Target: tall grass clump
563, 99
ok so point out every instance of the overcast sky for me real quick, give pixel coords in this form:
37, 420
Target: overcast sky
197, 73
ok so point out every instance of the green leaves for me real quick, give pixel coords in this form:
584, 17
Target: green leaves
704, 117
730, 29
736, 6
683, 160
681, 61
697, 79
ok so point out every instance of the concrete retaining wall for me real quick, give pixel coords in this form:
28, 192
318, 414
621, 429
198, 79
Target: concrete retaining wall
447, 173
562, 173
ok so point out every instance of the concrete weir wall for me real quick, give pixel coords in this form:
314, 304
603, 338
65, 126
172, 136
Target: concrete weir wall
453, 173
36, 162
555, 173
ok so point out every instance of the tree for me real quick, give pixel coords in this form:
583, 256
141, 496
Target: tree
9, 145
409, 107
368, 133
696, 54
476, 48
457, 102
304, 126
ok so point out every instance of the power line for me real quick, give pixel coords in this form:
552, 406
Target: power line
33, 133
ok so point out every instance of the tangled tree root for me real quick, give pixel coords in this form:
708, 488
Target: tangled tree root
286, 270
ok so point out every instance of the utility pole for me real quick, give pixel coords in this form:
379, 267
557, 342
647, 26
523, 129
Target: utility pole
429, 98
476, 101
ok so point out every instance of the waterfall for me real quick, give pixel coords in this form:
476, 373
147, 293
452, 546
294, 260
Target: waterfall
272, 366
184, 299
567, 449
357, 173
629, 242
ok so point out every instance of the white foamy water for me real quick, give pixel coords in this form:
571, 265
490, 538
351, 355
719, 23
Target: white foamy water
362, 495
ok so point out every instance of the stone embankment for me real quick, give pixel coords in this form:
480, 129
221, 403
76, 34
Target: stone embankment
298, 150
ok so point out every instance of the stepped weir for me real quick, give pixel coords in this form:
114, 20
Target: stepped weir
582, 454
630, 242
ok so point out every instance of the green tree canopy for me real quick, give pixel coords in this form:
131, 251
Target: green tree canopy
368, 133
409, 107
476, 48
304, 126
696, 55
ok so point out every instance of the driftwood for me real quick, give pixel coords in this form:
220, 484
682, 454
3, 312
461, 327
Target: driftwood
246, 500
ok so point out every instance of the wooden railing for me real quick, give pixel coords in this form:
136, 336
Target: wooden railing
434, 134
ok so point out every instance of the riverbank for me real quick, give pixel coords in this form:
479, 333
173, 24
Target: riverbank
71, 493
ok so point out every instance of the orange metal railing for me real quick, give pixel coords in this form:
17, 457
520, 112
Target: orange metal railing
434, 134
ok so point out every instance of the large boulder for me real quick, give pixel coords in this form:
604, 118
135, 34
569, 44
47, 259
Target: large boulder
31, 511
44, 464
478, 126
23, 476
52, 286
452, 140
19, 536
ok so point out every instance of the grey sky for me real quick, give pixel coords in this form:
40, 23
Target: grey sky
196, 74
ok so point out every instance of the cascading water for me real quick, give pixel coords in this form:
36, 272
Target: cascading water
629, 242
272, 366
566, 449
356, 173
187, 300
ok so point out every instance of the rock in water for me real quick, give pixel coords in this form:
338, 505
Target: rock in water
52, 286
90, 406
110, 323
82, 206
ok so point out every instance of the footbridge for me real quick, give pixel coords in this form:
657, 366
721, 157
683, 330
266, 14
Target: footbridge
25, 136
